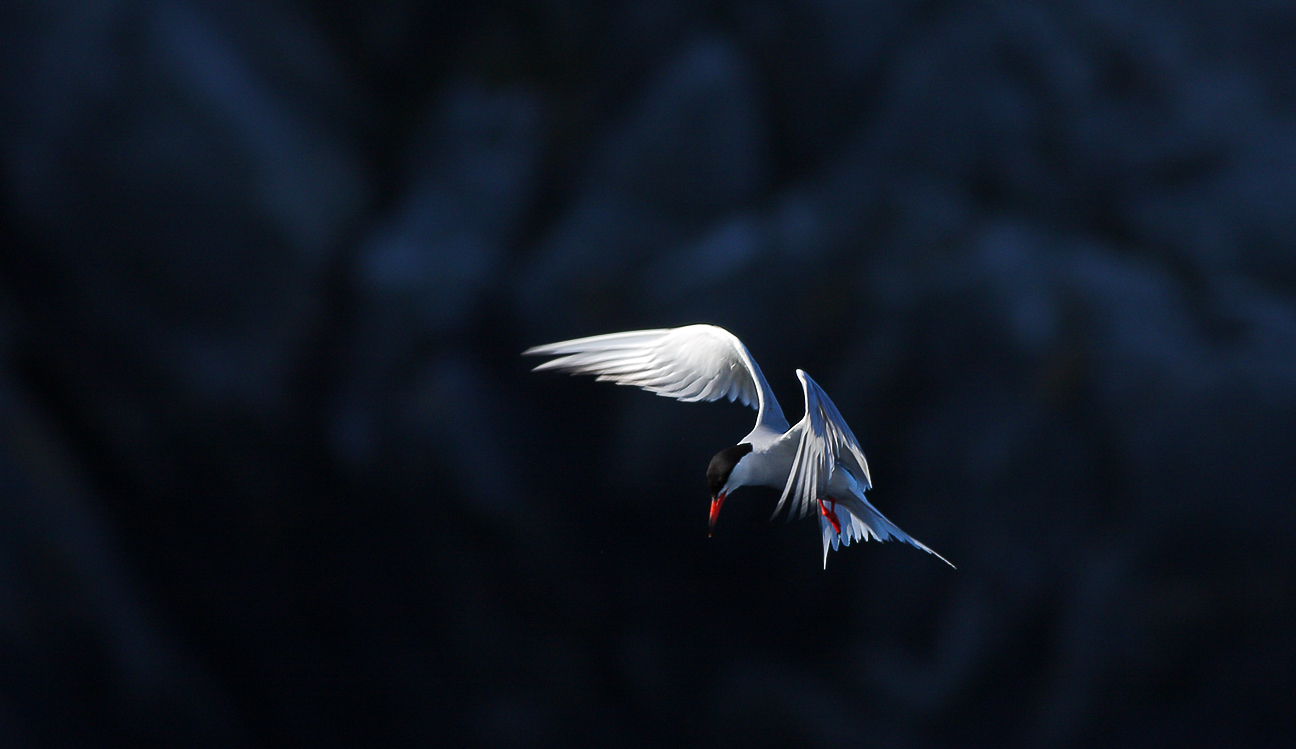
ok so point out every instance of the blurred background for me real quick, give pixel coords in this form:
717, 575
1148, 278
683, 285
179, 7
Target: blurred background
272, 472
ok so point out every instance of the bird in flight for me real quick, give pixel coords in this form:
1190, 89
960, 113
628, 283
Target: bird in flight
817, 462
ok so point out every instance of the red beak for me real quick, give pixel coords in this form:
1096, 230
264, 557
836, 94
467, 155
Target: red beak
716, 502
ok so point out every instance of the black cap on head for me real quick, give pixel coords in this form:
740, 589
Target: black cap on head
722, 465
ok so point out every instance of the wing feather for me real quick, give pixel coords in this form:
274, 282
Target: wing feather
692, 363
824, 442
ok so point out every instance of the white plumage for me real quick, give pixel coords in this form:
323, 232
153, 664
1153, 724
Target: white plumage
817, 462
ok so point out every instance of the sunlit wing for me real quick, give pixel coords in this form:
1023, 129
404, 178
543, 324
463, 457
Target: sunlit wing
824, 442
692, 363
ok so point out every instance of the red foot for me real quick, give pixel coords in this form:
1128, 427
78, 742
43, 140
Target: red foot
831, 514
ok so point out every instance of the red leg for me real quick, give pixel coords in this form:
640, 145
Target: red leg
831, 514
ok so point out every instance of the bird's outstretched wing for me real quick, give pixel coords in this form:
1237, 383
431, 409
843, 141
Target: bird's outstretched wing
825, 444
692, 363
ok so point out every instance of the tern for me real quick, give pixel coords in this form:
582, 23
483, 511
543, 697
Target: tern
817, 462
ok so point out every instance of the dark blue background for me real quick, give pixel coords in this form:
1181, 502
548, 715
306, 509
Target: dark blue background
273, 472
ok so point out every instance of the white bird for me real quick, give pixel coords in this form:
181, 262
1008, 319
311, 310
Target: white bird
817, 462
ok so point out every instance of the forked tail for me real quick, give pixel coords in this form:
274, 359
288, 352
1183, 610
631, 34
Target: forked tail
859, 520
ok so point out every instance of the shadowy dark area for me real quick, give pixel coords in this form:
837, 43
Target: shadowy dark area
273, 473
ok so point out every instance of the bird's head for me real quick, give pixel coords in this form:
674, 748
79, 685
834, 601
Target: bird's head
722, 478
